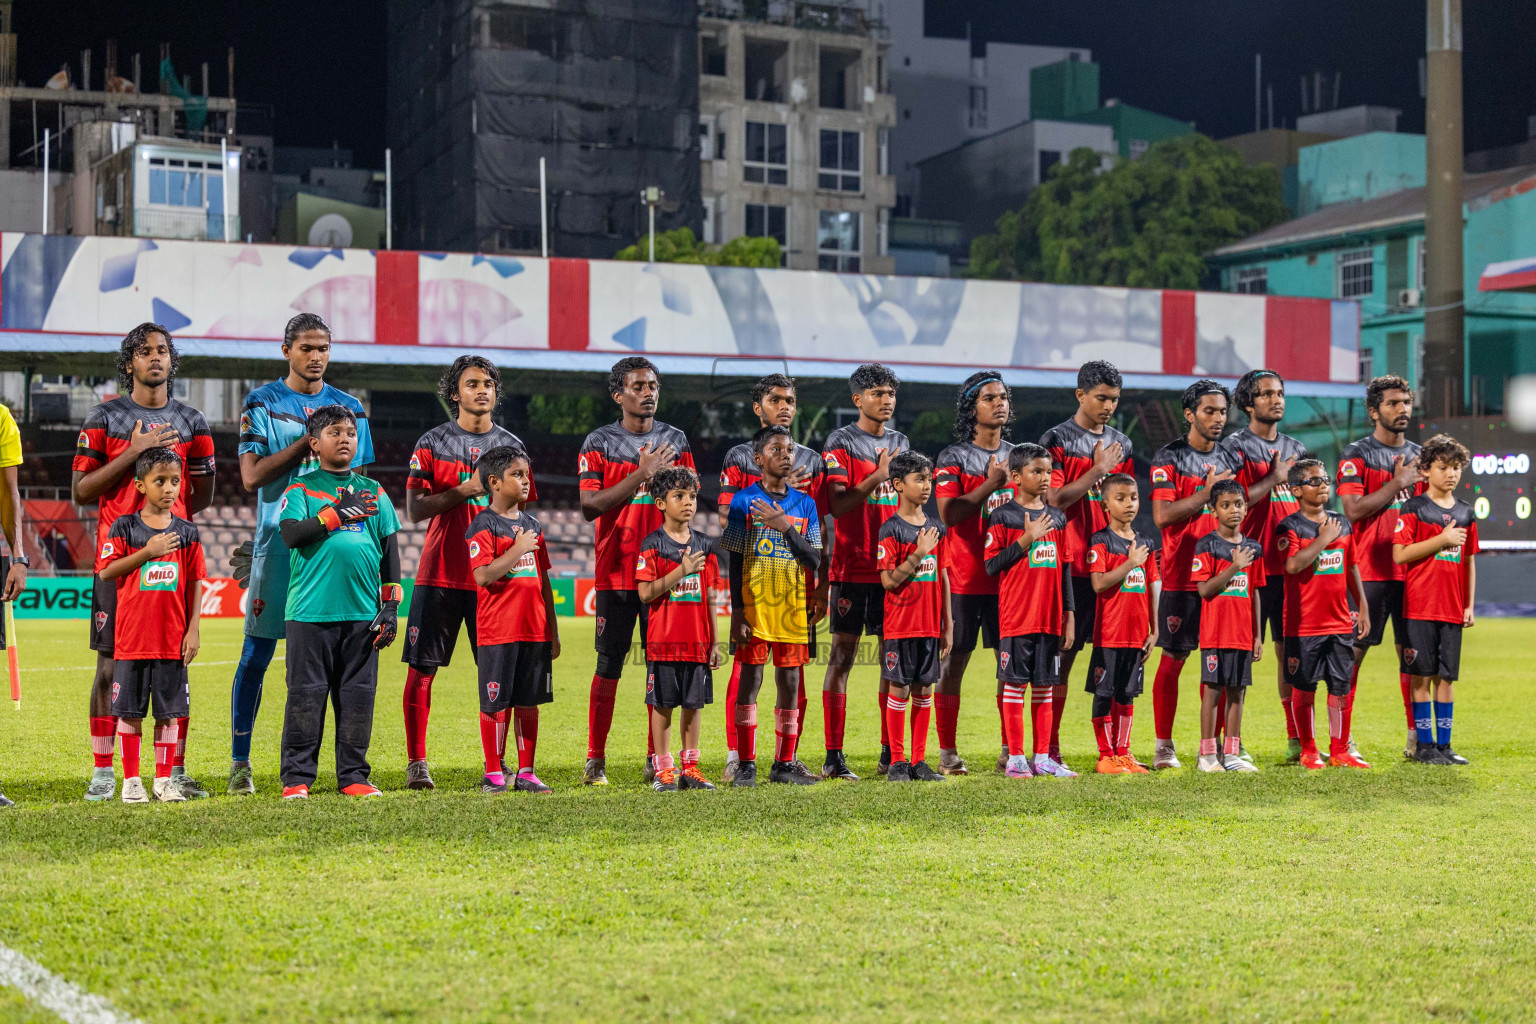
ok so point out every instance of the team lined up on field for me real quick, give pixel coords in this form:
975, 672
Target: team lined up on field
1033, 551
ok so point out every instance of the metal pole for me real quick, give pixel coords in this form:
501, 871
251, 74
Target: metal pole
1444, 287
1258, 89
652, 207
543, 211
45, 181
389, 200
224, 174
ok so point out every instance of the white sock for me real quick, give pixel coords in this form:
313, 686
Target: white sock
731, 755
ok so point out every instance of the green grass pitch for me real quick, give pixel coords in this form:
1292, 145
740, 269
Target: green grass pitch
1403, 893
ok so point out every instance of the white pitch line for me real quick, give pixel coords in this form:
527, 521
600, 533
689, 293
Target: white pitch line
41, 986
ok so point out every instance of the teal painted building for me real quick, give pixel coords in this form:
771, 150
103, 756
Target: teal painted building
1069, 91
1364, 241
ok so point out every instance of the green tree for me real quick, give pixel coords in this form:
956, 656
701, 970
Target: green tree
681, 246
1144, 223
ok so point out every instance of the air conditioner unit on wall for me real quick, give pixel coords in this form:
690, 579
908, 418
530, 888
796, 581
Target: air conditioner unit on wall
1409, 298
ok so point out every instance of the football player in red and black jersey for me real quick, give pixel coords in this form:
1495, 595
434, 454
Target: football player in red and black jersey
1265, 457
115, 434
443, 490
1319, 630
616, 463
1228, 569
1435, 539
861, 499
970, 480
1183, 474
774, 402
1376, 475
1084, 450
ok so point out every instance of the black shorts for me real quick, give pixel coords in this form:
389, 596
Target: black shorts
1034, 658
135, 682
617, 613
1085, 612
103, 615
1116, 672
1384, 599
858, 608
974, 614
432, 630
679, 684
910, 661
1178, 621
1226, 667
1272, 609
1433, 649
515, 675
1313, 659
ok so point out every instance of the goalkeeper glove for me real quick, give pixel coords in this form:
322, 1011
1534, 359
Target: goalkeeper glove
349, 507
387, 623
240, 561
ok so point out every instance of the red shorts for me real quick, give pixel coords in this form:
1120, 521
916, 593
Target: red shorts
785, 655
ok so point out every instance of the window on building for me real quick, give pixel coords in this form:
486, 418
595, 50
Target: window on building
838, 242
522, 29
517, 239
839, 79
1048, 158
179, 182
1135, 147
978, 111
883, 147
1354, 272
838, 170
767, 70
767, 221
712, 53
766, 160
1418, 260
1366, 362
1251, 281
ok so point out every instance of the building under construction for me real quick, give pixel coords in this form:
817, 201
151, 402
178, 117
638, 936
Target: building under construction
607, 91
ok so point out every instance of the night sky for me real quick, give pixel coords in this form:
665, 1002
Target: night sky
321, 63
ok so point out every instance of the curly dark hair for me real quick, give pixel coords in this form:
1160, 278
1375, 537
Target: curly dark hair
1221, 487
327, 415
1098, 371
448, 383
149, 458
1242, 395
303, 324
872, 375
1377, 389
626, 366
1199, 389
766, 384
1023, 454
496, 461
908, 462
1301, 468
1443, 448
135, 340
673, 478
965, 403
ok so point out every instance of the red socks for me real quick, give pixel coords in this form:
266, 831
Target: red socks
166, 737
493, 731
785, 730
1011, 706
801, 703
1405, 681
600, 715
417, 705
527, 722
1002, 716
102, 729
1122, 714
1103, 732
1338, 725
1058, 708
731, 689
1044, 714
180, 758
885, 732
922, 711
894, 722
946, 708
834, 714
131, 738
1301, 712
1165, 696
1290, 718
746, 731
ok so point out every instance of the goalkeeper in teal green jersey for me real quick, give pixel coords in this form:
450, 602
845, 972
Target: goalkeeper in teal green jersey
343, 605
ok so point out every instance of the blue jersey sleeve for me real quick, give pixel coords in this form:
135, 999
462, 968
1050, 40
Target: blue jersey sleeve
738, 524
255, 427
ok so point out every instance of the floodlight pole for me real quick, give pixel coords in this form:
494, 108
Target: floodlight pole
389, 200
651, 195
543, 211
1444, 369
45, 181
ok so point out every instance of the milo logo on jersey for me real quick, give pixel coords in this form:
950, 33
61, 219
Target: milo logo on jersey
1330, 563
996, 500
158, 576
642, 496
1238, 587
479, 500
927, 570
883, 494
1449, 555
1042, 554
1135, 582
1282, 495
688, 590
526, 567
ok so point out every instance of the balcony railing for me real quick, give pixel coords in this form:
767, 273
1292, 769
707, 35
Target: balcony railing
189, 223
849, 17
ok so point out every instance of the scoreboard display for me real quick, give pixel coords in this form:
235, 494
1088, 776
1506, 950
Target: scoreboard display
1498, 483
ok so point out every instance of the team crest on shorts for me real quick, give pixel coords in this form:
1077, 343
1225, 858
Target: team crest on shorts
890, 661
101, 621
650, 683
258, 606
1098, 674
413, 633
1410, 655
1210, 663
1002, 659
843, 604
1174, 622
492, 688
1292, 665
601, 622
116, 689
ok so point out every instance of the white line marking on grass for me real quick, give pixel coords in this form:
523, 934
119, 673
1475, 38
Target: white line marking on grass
52, 992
